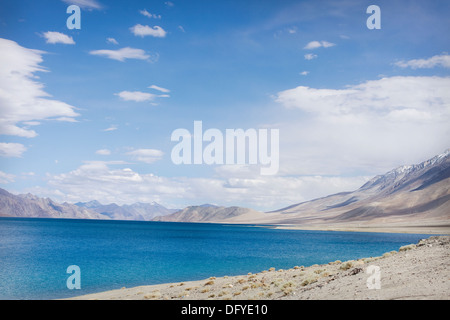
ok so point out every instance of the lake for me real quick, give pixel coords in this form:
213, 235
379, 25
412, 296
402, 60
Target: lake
35, 253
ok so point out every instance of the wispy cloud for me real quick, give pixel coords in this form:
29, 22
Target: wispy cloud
111, 128
159, 88
112, 41
143, 31
146, 155
85, 4
122, 54
103, 152
318, 44
54, 37
23, 100
292, 30
435, 61
310, 56
11, 150
149, 15
6, 177
136, 96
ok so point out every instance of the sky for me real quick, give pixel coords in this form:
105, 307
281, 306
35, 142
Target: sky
88, 114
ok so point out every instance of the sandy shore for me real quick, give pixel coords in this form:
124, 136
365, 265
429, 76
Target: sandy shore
416, 271
421, 229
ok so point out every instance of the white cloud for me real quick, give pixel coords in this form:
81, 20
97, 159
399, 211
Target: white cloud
64, 119
313, 45
146, 13
22, 98
310, 56
31, 123
146, 155
85, 4
292, 30
112, 40
304, 73
6, 177
142, 31
136, 96
57, 37
428, 94
318, 44
122, 54
111, 128
149, 15
159, 88
103, 182
11, 150
371, 127
327, 44
103, 152
98, 180
435, 61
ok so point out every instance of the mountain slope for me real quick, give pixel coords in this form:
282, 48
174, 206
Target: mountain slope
407, 196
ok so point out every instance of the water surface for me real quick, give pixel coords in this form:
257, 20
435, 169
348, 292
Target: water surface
35, 253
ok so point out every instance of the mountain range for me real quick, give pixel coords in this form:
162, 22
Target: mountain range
408, 196
136, 211
31, 206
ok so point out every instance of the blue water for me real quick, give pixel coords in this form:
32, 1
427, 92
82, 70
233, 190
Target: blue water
35, 253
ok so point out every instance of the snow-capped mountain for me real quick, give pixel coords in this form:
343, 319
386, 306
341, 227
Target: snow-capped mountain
410, 195
432, 169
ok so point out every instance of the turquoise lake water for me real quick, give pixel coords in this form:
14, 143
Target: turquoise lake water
35, 253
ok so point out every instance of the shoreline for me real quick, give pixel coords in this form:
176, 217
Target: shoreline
431, 230
410, 229
415, 271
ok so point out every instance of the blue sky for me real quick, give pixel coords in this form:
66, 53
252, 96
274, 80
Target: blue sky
88, 114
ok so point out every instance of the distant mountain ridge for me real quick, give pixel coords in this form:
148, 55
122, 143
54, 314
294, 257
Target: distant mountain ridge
206, 213
135, 211
31, 206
